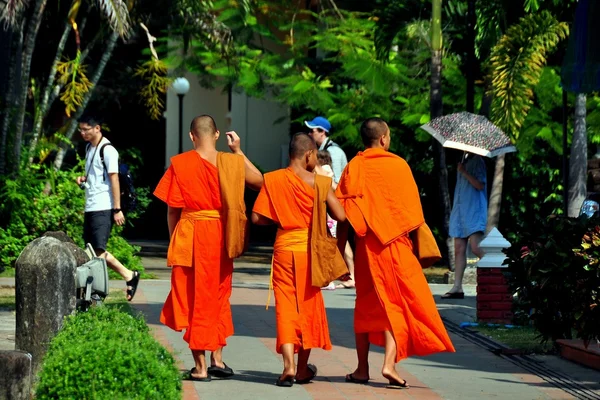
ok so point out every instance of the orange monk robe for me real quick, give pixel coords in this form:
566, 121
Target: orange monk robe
299, 308
201, 270
382, 203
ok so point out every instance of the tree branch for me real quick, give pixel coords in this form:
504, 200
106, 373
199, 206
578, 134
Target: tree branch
112, 41
41, 112
32, 31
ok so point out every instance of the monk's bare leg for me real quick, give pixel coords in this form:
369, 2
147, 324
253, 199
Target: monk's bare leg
216, 358
201, 367
289, 367
362, 351
349, 259
303, 371
389, 361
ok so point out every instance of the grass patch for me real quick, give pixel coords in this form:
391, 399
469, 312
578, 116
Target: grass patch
8, 273
7, 298
523, 338
115, 299
435, 274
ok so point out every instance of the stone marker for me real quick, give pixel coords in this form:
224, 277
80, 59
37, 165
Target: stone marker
45, 294
15, 375
80, 255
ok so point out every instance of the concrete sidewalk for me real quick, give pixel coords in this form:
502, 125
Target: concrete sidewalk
470, 373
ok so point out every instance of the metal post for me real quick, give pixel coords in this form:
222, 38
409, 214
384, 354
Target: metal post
180, 122
471, 21
565, 160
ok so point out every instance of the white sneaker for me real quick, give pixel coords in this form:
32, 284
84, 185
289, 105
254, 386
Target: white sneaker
331, 286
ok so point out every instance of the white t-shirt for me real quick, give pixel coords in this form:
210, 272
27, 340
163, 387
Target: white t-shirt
98, 195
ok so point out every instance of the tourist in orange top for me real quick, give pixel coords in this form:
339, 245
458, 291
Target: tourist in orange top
287, 199
394, 305
204, 191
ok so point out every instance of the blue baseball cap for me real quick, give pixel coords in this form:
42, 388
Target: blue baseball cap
319, 122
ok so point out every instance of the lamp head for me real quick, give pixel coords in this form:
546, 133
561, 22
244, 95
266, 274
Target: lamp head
181, 85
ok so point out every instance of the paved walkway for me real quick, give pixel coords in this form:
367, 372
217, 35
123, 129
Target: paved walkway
470, 373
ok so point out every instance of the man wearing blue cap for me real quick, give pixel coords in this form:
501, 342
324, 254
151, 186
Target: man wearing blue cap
319, 130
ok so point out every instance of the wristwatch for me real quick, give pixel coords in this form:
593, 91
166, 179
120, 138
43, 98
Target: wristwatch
116, 210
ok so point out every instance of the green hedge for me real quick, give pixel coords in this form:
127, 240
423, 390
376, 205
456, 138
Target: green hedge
105, 353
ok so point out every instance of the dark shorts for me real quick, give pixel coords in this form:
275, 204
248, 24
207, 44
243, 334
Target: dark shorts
96, 228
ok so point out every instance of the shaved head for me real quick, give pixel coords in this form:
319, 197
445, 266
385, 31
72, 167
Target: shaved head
203, 125
372, 130
300, 144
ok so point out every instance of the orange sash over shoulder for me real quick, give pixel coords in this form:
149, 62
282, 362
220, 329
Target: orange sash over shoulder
327, 264
232, 180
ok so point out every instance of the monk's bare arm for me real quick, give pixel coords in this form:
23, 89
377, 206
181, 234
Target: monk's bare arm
334, 207
254, 179
173, 215
258, 219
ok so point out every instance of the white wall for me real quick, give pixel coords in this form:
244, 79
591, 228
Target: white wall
253, 120
198, 101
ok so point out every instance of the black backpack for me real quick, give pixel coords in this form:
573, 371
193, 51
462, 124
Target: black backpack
128, 196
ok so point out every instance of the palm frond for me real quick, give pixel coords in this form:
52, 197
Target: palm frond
388, 19
516, 64
117, 14
11, 11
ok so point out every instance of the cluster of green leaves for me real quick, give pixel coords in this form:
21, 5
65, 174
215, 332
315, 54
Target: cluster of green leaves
555, 273
28, 212
516, 64
347, 81
105, 353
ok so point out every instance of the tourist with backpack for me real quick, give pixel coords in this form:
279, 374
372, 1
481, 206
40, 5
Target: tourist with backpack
103, 197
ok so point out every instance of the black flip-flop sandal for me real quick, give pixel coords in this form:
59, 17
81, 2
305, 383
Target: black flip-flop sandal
219, 372
397, 385
351, 379
313, 369
287, 382
456, 295
193, 378
133, 283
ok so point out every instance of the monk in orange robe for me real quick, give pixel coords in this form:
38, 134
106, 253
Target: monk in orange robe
394, 305
201, 266
287, 199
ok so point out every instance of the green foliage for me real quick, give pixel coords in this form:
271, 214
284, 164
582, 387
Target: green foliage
105, 353
30, 211
555, 272
516, 64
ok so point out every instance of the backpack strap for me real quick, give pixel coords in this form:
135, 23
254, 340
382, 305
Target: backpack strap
102, 158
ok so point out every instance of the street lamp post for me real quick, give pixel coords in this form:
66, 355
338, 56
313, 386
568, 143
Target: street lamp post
181, 87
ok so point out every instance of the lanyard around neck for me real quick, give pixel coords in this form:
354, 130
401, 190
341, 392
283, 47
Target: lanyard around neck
87, 172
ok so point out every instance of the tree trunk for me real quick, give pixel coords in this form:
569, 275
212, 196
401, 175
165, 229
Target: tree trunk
578, 159
32, 31
496, 195
13, 83
436, 110
112, 41
41, 112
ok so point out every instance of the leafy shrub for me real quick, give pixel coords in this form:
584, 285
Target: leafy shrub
555, 272
105, 353
27, 211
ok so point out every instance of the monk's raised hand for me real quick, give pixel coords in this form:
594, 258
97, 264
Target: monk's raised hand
233, 140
